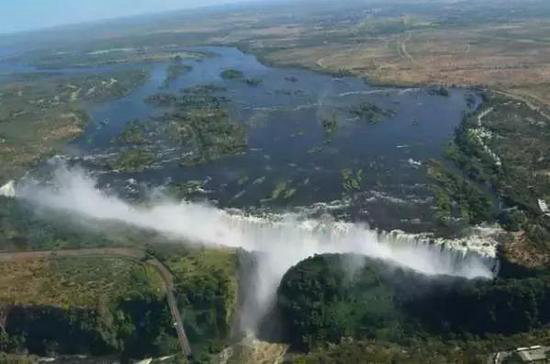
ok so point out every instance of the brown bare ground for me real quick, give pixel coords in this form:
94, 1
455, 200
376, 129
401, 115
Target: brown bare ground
437, 57
512, 56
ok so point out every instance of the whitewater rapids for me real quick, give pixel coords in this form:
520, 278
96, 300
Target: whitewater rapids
280, 240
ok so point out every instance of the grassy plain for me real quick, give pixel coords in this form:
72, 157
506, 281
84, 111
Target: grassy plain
466, 43
82, 282
39, 113
491, 43
94, 56
120, 291
81, 303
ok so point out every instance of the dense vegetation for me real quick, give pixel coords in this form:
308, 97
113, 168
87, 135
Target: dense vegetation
371, 113
133, 160
103, 305
458, 197
200, 124
231, 74
416, 350
40, 112
94, 305
208, 134
351, 181
500, 151
330, 297
207, 291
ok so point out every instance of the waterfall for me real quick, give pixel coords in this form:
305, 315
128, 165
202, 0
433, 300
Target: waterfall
281, 240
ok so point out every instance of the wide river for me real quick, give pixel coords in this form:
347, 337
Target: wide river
288, 148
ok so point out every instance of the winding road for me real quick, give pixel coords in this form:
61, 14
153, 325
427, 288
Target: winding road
128, 253
403, 47
178, 322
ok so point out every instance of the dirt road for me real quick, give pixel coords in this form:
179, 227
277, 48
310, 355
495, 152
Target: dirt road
178, 322
134, 254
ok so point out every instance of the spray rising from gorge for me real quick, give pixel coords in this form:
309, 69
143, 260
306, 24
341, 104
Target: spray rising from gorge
280, 241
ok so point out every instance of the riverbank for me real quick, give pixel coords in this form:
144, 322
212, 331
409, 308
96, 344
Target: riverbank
41, 113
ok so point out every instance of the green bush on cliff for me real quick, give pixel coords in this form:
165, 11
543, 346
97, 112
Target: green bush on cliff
207, 290
78, 305
323, 300
108, 304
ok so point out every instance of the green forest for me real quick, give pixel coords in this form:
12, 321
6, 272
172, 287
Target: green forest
328, 298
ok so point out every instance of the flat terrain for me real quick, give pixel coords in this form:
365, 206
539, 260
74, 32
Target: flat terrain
489, 43
96, 278
77, 278
40, 113
471, 44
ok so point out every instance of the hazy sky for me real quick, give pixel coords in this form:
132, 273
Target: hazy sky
20, 15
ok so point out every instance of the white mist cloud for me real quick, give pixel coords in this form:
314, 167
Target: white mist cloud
281, 240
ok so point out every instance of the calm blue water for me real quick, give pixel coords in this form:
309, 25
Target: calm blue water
286, 141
